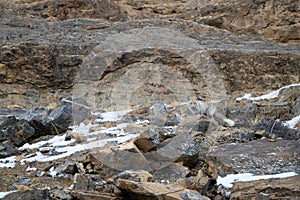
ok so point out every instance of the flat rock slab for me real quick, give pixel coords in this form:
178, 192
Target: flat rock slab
257, 157
289, 189
153, 191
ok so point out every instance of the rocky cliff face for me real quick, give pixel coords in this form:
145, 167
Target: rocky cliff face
175, 70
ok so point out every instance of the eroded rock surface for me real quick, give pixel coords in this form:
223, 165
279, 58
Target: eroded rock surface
144, 99
257, 157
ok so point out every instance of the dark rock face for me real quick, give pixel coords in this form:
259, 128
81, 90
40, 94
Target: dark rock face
258, 157
274, 129
60, 48
33, 124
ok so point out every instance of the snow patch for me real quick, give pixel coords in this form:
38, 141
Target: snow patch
293, 122
142, 122
228, 180
3, 194
31, 169
112, 116
57, 147
8, 162
271, 95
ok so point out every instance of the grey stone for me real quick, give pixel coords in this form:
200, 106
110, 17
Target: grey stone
35, 194
160, 114
134, 175
257, 157
171, 173
182, 147
148, 141
59, 119
192, 195
68, 168
83, 182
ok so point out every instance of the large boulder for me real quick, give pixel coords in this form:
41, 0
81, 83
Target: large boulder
257, 157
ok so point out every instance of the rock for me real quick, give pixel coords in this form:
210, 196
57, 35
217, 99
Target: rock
33, 124
267, 189
83, 182
7, 149
67, 168
59, 119
6, 121
20, 133
148, 141
87, 195
182, 147
166, 133
81, 110
17, 112
136, 176
147, 191
44, 123
192, 195
171, 173
195, 123
29, 194
111, 161
160, 114
275, 129
257, 157
59, 193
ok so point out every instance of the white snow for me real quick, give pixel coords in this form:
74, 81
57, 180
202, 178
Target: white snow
293, 122
268, 96
58, 140
31, 169
142, 122
52, 172
247, 177
112, 116
115, 135
3, 194
8, 162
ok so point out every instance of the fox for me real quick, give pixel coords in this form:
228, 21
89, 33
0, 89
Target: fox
201, 107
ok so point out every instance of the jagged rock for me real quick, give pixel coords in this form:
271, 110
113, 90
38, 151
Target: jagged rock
20, 133
166, 133
88, 195
12, 112
67, 168
111, 161
44, 123
192, 195
160, 114
270, 189
33, 124
137, 176
276, 129
257, 157
6, 121
29, 194
80, 109
147, 191
182, 147
83, 182
171, 173
60, 193
148, 141
7, 148
59, 119
195, 123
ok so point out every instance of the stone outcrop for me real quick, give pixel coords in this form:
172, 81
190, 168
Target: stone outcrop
258, 157
151, 88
